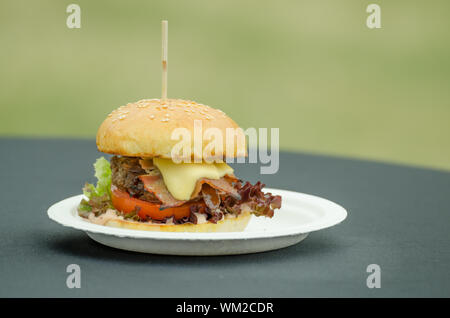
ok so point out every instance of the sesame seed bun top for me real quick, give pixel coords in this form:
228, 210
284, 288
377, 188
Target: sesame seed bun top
144, 129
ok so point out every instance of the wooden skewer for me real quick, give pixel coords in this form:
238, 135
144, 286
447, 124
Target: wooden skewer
164, 25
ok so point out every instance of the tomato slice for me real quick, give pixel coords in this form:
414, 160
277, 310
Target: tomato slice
123, 202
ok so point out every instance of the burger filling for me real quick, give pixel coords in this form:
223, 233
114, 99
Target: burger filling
161, 191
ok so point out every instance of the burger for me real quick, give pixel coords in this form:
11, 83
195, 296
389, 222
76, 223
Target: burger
148, 185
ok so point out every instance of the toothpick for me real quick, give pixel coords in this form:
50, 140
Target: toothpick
164, 25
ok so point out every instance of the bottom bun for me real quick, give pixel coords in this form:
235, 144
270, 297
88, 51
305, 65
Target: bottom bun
227, 224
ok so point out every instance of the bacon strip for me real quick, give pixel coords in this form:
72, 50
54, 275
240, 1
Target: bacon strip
155, 184
211, 197
146, 164
223, 184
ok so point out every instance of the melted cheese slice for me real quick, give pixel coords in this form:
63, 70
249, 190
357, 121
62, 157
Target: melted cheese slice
180, 179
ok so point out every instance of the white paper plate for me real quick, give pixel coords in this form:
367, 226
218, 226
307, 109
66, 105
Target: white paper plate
300, 214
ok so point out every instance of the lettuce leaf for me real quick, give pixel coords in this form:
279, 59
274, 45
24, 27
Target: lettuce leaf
103, 175
99, 196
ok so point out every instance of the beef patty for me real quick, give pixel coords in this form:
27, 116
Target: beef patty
125, 172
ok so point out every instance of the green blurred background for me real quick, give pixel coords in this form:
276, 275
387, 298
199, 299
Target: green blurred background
312, 68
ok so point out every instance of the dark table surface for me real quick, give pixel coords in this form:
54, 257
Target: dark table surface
399, 218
